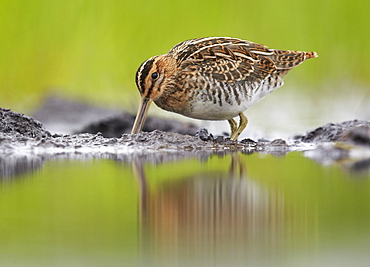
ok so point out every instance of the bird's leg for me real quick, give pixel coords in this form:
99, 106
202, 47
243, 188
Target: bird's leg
242, 124
233, 126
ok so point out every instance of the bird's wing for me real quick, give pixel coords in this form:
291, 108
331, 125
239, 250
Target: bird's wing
224, 59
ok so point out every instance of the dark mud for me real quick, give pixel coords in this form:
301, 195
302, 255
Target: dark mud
15, 125
71, 117
335, 131
25, 143
20, 132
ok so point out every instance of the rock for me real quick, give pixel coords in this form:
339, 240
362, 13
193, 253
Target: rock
203, 134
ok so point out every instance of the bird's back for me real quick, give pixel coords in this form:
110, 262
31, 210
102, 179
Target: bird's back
226, 76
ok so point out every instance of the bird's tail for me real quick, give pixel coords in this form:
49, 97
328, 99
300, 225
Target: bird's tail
288, 59
309, 55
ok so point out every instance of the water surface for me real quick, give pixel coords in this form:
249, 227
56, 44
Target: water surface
213, 210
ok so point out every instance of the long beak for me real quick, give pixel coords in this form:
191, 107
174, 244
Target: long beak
141, 115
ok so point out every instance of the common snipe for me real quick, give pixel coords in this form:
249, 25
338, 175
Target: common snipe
214, 78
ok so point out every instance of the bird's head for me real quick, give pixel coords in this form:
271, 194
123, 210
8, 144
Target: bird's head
152, 78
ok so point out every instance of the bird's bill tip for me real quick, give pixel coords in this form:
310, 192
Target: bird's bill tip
141, 115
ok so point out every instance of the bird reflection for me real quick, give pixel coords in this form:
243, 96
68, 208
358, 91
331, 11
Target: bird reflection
209, 210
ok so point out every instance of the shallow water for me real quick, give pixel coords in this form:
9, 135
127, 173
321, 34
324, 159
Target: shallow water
231, 209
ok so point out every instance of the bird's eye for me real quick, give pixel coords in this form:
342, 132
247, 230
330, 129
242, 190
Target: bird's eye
155, 75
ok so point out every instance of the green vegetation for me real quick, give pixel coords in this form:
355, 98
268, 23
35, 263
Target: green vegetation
91, 49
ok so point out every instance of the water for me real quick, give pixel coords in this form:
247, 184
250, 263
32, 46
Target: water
217, 210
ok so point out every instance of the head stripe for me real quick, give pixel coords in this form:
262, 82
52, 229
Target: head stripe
142, 73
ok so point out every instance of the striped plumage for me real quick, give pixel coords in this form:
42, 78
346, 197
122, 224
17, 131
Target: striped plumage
213, 78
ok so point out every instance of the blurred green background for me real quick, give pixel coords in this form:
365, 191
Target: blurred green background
90, 50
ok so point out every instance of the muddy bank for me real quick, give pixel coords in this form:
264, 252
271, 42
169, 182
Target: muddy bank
18, 131
14, 126
23, 137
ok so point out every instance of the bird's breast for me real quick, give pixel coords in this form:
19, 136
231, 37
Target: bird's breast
215, 100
